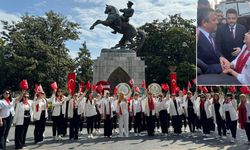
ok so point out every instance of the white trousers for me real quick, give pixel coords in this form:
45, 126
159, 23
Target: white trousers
123, 123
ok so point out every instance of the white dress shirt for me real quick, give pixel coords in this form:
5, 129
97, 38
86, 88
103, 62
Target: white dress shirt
5, 108
90, 109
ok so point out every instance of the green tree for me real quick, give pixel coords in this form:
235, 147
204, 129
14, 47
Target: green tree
1, 43
84, 64
170, 42
37, 50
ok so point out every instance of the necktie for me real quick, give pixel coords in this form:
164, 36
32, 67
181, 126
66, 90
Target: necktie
140, 107
133, 108
232, 31
175, 104
212, 41
109, 107
74, 104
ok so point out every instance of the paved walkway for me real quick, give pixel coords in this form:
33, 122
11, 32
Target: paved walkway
158, 142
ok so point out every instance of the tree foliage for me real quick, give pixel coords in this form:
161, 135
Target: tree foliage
84, 64
36, 49
170, 42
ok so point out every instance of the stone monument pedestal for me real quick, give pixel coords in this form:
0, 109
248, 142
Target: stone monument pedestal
118, 65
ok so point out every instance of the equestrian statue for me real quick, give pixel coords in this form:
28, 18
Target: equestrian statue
132, 38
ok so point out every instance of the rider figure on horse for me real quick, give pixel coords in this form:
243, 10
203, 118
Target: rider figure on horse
127, 13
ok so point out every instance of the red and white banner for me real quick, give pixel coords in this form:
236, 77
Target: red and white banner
71, 83
131, 82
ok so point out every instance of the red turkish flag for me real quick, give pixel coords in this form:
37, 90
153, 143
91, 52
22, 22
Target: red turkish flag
99, 88
143, 84
177, 89
131, 82
201, 88
165, 86
24, 85
184, 91
71, 82
38, 88
53, 86
232, 89
81, 85
245, 90
115, 90
93, 88
205, 89
173, 83
189, 84
88, 85
136, 89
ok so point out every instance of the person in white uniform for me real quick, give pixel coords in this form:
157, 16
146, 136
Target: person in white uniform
137, 109
150, 112
107, 114
6, 113
90, 113
230, 116
22, 120
123, 115
162, 111
40, 114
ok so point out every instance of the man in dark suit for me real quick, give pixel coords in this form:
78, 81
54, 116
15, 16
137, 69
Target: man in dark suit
230, 36
206, 48
220, 17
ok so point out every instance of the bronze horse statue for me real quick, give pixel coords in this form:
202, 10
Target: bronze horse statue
132, 38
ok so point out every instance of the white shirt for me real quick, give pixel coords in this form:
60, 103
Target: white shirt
5, 108
232, 112
90, 109
136, 105
161, 104
106, 104
234, 27
124, 108
244, 77
26, 107
20, 109
206, 35
227, 106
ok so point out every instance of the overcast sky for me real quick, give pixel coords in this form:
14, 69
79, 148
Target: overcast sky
85, 12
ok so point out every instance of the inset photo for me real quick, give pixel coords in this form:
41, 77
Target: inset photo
223, 42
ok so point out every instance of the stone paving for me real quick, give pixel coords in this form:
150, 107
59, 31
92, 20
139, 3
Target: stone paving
158, 142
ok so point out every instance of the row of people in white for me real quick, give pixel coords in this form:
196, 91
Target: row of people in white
189, 105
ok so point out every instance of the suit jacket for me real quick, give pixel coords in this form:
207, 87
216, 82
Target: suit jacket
225, 43
207, 106
19, 115
207, 55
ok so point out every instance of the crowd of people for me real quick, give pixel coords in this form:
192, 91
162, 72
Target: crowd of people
223, 45
146, 111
